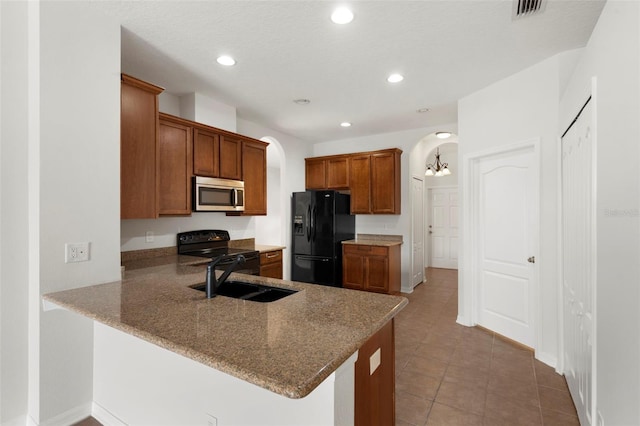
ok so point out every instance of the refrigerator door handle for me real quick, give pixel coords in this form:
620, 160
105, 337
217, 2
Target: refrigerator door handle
308, 223
317, 259
315, 221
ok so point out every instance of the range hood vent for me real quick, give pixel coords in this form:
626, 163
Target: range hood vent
524, 8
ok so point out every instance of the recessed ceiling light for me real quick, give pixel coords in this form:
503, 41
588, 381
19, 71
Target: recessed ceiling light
341, 16
226, 60
395, 78
421, 110
345, 124
443, 135
302, 101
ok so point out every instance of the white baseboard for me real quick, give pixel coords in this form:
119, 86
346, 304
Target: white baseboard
105, 417
463, 321
18, 421
548, 359
69, 417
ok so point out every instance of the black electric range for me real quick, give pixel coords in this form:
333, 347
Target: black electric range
212, 243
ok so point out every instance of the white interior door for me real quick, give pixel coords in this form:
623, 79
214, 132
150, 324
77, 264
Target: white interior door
417, 217
443, 227
578, 258
507, 240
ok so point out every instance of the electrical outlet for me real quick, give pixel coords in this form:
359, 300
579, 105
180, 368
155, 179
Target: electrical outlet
76, 252
148, 237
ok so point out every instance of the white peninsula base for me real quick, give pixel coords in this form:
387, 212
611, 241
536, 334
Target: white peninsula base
139, 383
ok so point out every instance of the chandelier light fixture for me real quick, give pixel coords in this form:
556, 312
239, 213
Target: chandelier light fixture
438, 168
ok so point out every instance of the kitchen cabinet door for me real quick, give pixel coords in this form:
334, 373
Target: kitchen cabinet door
271, 264
138, 149
371, 268
360, 180
338, 172
230, 157
206, 153
176, 162
385, 182
254, 175
315, 173
353, 269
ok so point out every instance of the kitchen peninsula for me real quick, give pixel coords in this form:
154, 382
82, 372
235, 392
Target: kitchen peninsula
164, 354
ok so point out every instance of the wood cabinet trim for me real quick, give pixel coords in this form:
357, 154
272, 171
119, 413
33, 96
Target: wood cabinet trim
132, 81
195, 124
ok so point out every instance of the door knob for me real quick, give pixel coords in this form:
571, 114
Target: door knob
532, 259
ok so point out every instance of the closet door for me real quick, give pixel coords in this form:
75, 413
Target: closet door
578, 262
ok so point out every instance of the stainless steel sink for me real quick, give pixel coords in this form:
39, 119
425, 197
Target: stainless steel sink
249, 291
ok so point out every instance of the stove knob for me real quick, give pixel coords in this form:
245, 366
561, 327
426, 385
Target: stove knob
183, 238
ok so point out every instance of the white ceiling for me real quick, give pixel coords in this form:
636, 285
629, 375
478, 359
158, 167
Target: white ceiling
287, 50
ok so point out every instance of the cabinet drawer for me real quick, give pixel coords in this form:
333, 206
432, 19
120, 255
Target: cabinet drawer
270, 257
364, 249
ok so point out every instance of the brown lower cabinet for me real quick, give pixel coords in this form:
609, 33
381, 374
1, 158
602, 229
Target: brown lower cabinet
375, 380
371, 268
271, 264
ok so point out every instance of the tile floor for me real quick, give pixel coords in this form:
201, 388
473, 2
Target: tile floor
448, 374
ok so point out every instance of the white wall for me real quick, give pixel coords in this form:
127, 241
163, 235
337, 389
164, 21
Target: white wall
203, 109
388, 224
169, 103
164, 229
612, 56
518, 108
14, 249
78, 192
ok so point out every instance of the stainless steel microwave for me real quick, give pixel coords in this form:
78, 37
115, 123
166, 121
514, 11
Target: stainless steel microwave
217, 195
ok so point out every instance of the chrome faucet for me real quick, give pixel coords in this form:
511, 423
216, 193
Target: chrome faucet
211, 284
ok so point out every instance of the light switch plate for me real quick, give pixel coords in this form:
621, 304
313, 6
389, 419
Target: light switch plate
76, 252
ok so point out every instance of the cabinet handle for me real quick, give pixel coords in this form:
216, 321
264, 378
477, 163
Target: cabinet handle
272, 255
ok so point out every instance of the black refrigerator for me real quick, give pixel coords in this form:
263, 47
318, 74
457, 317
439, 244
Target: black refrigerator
321, 220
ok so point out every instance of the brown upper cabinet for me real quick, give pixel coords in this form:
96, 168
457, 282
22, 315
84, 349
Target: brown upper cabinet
159, 153
206, 152
327, 172
361, 184
254, 175
230, 157
338, 172
315, 174
138, 148
373, 179
175, 158
385, 182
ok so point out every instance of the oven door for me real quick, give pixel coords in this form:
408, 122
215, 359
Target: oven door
217, 195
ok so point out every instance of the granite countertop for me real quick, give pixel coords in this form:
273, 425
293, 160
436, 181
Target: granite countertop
263, 248
376, 240
288, 346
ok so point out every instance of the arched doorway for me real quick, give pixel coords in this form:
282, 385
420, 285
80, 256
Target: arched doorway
422, 154
273, 229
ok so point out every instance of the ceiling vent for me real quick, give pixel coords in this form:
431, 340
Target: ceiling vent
524, 8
